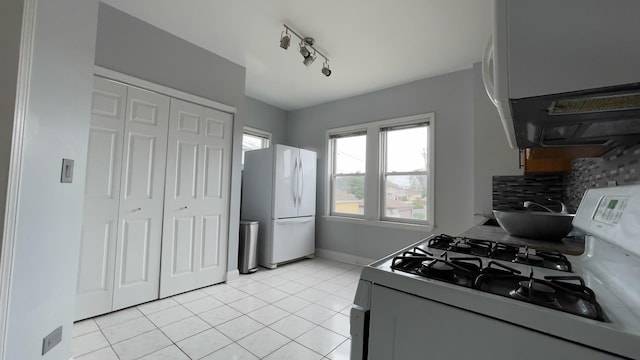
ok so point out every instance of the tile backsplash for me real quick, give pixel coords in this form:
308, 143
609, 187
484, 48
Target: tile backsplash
620, 166
509, 192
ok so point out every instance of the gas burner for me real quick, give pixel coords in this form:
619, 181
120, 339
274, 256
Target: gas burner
410, 260
529, 259
442, 241
438, 269
545, 259
501, 250
456, 270
535, 292
556, 292
556, 260
461, 245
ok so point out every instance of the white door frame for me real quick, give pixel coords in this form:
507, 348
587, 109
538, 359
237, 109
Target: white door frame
27, 35
147, 85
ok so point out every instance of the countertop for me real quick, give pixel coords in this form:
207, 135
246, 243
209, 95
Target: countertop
573, 245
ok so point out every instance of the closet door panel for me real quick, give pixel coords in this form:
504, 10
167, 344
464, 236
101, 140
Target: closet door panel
137, 271
183, 246
181, 234
210, 252
136, 243
140, 173
186, 170
102, 189
198, 171
214, 196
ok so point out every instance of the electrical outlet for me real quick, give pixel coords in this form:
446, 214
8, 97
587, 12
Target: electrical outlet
51, 340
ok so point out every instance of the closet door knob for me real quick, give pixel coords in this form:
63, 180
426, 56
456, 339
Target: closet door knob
185, 207
137, 209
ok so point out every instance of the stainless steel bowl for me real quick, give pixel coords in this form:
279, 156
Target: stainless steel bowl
535, 225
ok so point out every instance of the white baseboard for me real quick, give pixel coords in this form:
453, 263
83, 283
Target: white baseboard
342, 257
232, 275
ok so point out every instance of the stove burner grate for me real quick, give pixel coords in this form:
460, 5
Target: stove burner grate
461, 244
530, 259
546, 259
457, 270
556, 292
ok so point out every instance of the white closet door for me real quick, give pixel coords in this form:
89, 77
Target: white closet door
195, 235
102, 190
137, 272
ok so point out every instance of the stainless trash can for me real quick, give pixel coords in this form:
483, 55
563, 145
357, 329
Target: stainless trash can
248, 247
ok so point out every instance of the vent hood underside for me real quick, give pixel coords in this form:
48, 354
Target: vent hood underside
603, 116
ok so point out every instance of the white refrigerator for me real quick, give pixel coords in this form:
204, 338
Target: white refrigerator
279, 191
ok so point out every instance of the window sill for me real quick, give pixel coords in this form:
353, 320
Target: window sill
379, 223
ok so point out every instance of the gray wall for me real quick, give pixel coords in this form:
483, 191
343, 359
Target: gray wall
491, 151
451, 97
49, 214
266, 117
133, 47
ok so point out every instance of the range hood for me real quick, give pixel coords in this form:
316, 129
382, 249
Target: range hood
565, 72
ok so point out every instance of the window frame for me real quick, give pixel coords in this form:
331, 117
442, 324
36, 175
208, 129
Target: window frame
247, 130
374, 172
384, 173
332, 171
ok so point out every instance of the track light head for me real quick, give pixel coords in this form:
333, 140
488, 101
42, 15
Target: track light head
325, 69
285, 40
308, 60
304, 51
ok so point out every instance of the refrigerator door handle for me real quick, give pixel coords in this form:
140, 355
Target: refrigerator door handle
295, 183
301, 183
297, 220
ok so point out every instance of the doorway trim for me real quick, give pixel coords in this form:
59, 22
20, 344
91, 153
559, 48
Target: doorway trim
27, 36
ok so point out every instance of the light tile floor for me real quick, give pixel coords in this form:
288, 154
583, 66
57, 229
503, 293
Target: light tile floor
298, 311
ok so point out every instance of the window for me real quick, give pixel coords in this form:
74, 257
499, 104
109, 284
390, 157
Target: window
404, 172
387, 165
348, 173
254, 139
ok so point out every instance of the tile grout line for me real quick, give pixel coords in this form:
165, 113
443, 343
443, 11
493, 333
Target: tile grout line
310, 269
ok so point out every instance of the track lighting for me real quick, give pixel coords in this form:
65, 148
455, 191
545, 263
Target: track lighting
307, 50
285, 40
325, 69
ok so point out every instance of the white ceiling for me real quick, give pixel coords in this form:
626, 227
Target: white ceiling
372, 44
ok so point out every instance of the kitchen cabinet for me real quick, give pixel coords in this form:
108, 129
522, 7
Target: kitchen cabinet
556, 159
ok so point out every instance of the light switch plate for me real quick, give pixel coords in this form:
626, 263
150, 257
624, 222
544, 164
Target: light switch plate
51, 340
67, 171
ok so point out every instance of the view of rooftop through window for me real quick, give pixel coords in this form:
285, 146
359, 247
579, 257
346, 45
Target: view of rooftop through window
404, 164
405, 173
350, 167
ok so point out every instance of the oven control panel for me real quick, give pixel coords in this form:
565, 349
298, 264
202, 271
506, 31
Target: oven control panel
610, 209
612, 214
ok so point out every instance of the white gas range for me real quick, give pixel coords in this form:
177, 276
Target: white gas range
457, 298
